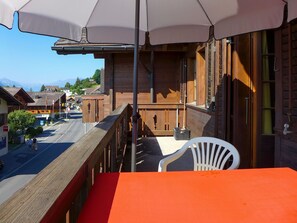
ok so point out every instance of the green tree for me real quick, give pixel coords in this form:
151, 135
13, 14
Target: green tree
67, 85
97, 76
85, 83
77, 82
20, 120
42, 88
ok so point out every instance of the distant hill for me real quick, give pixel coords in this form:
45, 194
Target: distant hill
61, 83
34, 86
6, 82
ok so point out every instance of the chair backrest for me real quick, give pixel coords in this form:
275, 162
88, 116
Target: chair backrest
209, 153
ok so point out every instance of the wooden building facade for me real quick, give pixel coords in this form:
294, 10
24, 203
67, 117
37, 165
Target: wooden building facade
286, 96
46, 104
241, 89
160, 81
21, 95
6, 101
92, 108
244, 91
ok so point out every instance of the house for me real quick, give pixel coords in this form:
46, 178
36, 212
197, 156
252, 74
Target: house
6, 100
240, 89
161, 79
50, 88
67, 92
47, 104
21, 95
92, 90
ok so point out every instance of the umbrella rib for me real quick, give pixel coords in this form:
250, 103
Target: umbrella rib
204, 12
24, 5
91, 16
147, 26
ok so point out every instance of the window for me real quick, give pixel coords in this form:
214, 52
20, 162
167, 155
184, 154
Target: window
268, 83
3, 119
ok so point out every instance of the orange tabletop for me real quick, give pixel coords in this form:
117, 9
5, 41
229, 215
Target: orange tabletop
246, 195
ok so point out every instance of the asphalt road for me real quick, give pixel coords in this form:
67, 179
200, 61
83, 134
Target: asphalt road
22, 164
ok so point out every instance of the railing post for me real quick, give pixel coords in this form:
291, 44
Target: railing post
113, 152
62, 187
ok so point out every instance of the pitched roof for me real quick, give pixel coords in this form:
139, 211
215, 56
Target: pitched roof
17, 90
51, 88
45, 98
65, 46
94, 90
5, 95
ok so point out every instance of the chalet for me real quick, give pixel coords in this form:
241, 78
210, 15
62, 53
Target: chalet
6, 100
21, 95
239, 89
47, 104
50, 88
92, 90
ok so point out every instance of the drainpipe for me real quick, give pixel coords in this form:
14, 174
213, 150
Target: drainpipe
152, 86
111, 89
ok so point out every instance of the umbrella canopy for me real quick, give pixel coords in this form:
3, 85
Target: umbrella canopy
165, 21
292, 10
131, 21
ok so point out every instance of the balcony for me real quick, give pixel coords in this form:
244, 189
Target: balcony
59, 191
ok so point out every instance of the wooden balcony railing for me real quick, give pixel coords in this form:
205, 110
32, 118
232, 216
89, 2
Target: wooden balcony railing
58, 192
160, 119
44, 111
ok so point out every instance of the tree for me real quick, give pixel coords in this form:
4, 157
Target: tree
20, 120
42, 88
85, 83
77, 82
67, 85
97, 76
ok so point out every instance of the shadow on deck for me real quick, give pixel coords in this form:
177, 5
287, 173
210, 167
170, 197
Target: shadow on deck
150, 150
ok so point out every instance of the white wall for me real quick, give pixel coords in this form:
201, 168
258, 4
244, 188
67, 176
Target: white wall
3, 135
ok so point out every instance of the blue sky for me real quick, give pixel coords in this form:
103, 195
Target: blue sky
28, 58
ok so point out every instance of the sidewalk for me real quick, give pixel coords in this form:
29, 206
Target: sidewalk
18, 156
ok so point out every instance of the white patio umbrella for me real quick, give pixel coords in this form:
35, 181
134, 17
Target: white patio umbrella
128, 22
166, 21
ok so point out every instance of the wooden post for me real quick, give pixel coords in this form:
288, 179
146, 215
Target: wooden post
113, 152
152, 85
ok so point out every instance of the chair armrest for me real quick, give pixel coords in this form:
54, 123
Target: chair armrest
169, 159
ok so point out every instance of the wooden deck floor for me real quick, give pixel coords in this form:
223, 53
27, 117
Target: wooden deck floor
151, 150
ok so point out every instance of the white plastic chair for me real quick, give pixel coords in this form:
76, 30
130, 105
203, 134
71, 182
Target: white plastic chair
209, 153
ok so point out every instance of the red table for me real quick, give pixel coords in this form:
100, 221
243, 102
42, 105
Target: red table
247, 195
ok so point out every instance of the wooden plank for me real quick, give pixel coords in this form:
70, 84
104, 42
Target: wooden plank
49, 195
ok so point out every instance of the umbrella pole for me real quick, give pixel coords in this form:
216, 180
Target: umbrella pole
135, 89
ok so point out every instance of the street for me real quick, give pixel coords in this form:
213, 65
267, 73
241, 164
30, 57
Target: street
22, 164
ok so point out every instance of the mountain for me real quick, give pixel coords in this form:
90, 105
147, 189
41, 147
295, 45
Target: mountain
6, 82
27, 87
61, 83
34, 86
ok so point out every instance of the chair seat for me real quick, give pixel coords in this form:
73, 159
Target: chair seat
209, 153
